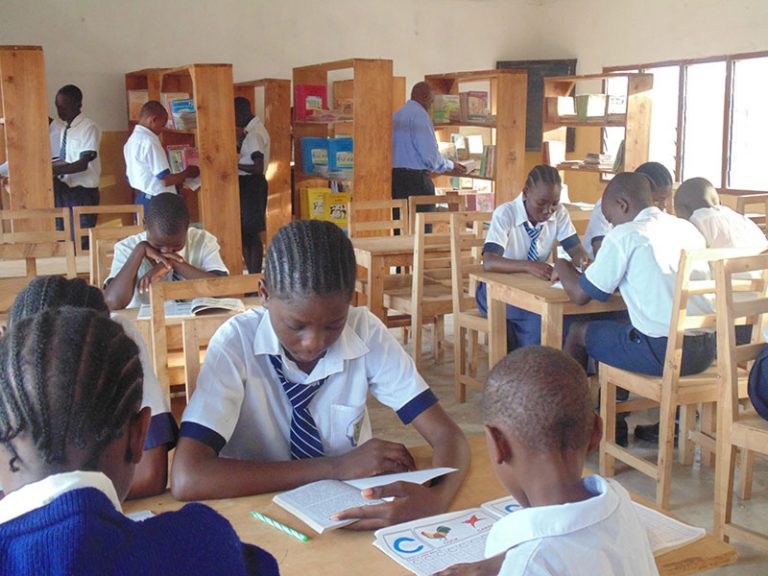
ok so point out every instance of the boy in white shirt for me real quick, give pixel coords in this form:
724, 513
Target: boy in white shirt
540, 426
168, 249
146, 163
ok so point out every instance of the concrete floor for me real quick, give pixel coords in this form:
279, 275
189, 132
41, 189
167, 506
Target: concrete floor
692, 488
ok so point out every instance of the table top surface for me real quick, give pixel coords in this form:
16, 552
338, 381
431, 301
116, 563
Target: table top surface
325, 552
382, 245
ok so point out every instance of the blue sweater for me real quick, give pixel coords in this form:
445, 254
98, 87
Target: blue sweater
80, 532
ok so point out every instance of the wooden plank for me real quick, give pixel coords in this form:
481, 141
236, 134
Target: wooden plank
277, 120
511, 101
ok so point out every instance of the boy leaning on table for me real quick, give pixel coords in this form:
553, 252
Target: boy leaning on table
540, 425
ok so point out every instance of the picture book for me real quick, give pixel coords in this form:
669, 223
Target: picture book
166, 98
183, 114
195, 307
308, 98
176, 157
445, 108
473, 105
315, 503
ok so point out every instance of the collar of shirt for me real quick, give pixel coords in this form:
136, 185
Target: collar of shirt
41, 493
545, 521
349, 346
646, 214
252, 125
139, 129
75, 121
704, 211
521, 216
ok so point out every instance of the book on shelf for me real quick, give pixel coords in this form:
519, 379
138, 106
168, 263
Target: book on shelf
340, 154
195, 307
316, 502
561, 107
314, 153
448, 150
615, 106
446, 108
473, 105
429, 545
183, 114
462, 147
308, 98
182, 155
136, 99
488, 162
475, 145
590, 106
598, 160
166, 98
618, 162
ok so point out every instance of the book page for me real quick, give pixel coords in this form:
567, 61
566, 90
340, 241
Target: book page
502, 506
665, 533
432, 544
233, 304
173, 309
415, 477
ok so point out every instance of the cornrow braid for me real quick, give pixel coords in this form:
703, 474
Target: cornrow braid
542, 174
68, 377
310, 257
656, 173
45, 292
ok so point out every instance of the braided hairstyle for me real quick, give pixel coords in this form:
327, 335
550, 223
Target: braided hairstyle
310, 257
542, 174
68, 377
46, 292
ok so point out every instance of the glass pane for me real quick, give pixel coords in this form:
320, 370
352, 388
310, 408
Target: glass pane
666, 87
704, 101
749, 122
612, 137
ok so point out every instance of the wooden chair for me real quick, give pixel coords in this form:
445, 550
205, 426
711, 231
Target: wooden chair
429, 297
746, 200
375, 218
196, 330
467, 237
453, 201
738, 429
102, 242
135, 211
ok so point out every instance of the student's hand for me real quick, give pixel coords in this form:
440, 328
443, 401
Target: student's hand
410, 501
192, 171
487, 567
159, 270
540, 270
458, 169
375, 457
156, 257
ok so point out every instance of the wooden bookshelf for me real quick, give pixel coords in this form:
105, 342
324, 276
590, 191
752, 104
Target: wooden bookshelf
371, 96
636, 121
507, 98
277, 121
24, 132
218, 199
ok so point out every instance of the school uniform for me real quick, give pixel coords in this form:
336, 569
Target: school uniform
201, 251
145, 164
72, 523
598, 227
600, 535
508, 236
82, 188
725, 228
640, 258
254, 191
55, 128
241, 409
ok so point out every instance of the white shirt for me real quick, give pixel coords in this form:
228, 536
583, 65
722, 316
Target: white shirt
83, 135
508, 231
145, 159
41, 493
598, 226
725, 228
239, 398
55, 128
200, 251
598, 536
256, 140
641, 259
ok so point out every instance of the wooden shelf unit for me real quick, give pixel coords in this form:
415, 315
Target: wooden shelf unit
371, 93
277, 121
24, 132
211, 87
636, 121
508, 94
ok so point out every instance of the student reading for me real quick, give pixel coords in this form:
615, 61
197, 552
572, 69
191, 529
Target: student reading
71, 434
281, 396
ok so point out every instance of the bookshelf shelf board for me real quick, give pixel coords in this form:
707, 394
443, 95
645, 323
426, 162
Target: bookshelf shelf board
474, 76
175, 131
579, 168
477, 177
596, 123
475, 124
323, 122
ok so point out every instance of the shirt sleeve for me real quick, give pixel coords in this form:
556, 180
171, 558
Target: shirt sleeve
211, 255
90, 139
423, 135
122, 252
607, 271
157, 160
252, 143
565, 228
498, 232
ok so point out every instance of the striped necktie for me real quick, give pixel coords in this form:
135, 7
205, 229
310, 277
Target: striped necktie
533, 233
305, 439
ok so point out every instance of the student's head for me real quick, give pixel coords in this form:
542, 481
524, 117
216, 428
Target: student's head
51, 292
70, 399
422, 93
69, 101
309, 280
626, 195
661, 182
166, 223
541, 193
153, 116
693, 194
243, 113
538, 416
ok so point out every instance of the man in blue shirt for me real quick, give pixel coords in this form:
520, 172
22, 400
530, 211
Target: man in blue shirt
415, 154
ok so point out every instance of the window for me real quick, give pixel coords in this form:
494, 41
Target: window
666, 87
749, 121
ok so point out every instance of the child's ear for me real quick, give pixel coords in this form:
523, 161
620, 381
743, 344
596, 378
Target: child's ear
137, 434
263, 292
498, 446
623, 204
597, 434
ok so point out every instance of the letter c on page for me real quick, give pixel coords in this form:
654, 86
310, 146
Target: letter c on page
397, 545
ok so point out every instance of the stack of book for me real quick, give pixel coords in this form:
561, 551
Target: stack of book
446, 108
166, 98
599, 161
183, 114
473, 106
488, 162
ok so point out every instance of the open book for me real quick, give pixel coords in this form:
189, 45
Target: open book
433, 544
315, 503
196, 307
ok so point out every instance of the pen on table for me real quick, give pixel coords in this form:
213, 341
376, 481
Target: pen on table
282, 527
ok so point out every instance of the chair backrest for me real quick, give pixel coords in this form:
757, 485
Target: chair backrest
43, 228
468, 231
193, 329
376, 218
453, 201
134, 211
431, 253
743, 203
102, 243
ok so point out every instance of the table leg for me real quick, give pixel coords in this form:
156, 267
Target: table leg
552, 326
376, 288
497, 328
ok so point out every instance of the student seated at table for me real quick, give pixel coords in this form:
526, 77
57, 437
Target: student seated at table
71, 436
281, 397
661, 190
521, 238
52, 292
540, 427
168, 249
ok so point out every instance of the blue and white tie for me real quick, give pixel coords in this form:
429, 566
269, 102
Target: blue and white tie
533, 233
63, 149
305, 439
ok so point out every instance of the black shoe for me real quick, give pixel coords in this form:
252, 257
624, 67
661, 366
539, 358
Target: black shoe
622, 431
650, 432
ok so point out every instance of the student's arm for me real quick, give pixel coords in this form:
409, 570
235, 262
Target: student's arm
119, 291
496, 263
570, 277
597, 242
488, 567
170, 179
151, 476
257, 167
189, 272
578, 254
80, 165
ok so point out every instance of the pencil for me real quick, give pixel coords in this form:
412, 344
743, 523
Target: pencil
282, 527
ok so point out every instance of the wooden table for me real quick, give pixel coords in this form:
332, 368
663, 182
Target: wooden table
352, 553
537, 296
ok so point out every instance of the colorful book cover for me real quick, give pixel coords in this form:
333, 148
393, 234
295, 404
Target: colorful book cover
445, 108
308, 98
184, 114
